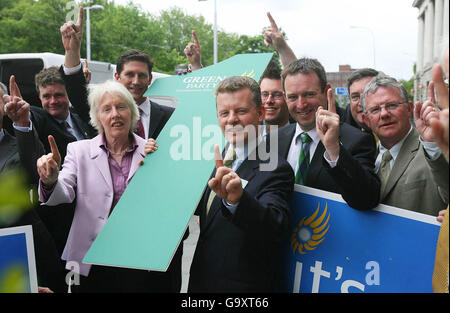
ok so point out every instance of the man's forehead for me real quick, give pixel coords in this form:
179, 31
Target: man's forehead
382, 94
135, 66
309, 79
360, 83
52, 87
269, 82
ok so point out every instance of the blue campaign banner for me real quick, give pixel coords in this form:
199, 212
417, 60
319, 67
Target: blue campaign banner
17, 261
334, 248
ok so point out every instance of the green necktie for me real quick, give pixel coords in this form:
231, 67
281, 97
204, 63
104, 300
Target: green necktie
228, 162
303, 160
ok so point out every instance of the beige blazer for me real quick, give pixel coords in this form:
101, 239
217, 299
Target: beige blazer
411, 185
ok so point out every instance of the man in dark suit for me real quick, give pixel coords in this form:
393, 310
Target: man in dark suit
356, 83
64, 116
134, 71
49, 269
334, 156
9, 156
244, 209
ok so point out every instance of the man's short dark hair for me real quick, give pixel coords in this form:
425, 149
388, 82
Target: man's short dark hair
360, 74
306, 66
134, 55
47, 77
272, 71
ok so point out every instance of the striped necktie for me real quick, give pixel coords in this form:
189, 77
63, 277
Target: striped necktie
230, 157
303, 160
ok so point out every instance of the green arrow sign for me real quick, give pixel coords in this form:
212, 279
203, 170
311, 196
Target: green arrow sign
148, 222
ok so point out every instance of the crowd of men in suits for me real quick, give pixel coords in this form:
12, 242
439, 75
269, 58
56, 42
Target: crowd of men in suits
370, 153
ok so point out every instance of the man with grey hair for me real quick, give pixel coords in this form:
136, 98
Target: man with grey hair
244, 209
401, 162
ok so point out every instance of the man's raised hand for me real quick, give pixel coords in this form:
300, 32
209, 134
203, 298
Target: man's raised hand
327, 125
48, 165
226, 184
17, 109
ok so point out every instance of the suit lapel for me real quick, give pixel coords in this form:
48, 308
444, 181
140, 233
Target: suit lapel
138, 156
7, 149
285, 138
315, 165
101, 159
156, 116
79, 124
405, 156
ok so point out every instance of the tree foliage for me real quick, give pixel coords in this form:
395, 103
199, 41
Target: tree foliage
33, 26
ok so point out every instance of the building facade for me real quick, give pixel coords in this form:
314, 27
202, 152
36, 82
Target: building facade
338, 81
433, 19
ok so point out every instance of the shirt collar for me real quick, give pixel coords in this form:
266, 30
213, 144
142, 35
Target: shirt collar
68, 120
145, 107
312, 133
102, 145
242, 151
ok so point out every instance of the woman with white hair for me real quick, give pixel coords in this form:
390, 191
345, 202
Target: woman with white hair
95, 173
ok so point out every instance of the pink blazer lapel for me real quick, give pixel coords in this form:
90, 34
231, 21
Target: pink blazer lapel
100, 158
138, 156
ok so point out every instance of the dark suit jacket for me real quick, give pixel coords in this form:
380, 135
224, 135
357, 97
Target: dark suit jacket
159, 115
50, 272
9, 156
240, 252
353, 177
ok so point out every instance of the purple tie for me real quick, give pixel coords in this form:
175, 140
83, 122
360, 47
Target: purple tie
140, 126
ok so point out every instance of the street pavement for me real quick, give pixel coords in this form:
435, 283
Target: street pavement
188, 251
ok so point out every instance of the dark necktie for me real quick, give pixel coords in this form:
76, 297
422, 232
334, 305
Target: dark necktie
140, 126
303, 160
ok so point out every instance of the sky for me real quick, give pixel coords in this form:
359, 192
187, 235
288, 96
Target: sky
321, 29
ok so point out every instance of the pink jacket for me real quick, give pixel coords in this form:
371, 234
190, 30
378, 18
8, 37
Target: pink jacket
85, 176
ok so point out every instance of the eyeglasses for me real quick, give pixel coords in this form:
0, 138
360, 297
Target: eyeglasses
276, 95
388, 107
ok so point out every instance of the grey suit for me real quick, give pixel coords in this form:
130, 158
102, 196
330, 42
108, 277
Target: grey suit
410, 184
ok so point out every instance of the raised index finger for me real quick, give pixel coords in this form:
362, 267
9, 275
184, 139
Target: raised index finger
54, 149
431, 92
218, 156
14, 90
272, 22
80, 17
194, 35
439, 85
331, 103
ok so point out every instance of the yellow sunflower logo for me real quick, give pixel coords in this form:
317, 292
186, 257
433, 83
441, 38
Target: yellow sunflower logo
310, 232
251, 74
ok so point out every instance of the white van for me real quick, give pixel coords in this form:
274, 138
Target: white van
24, 66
